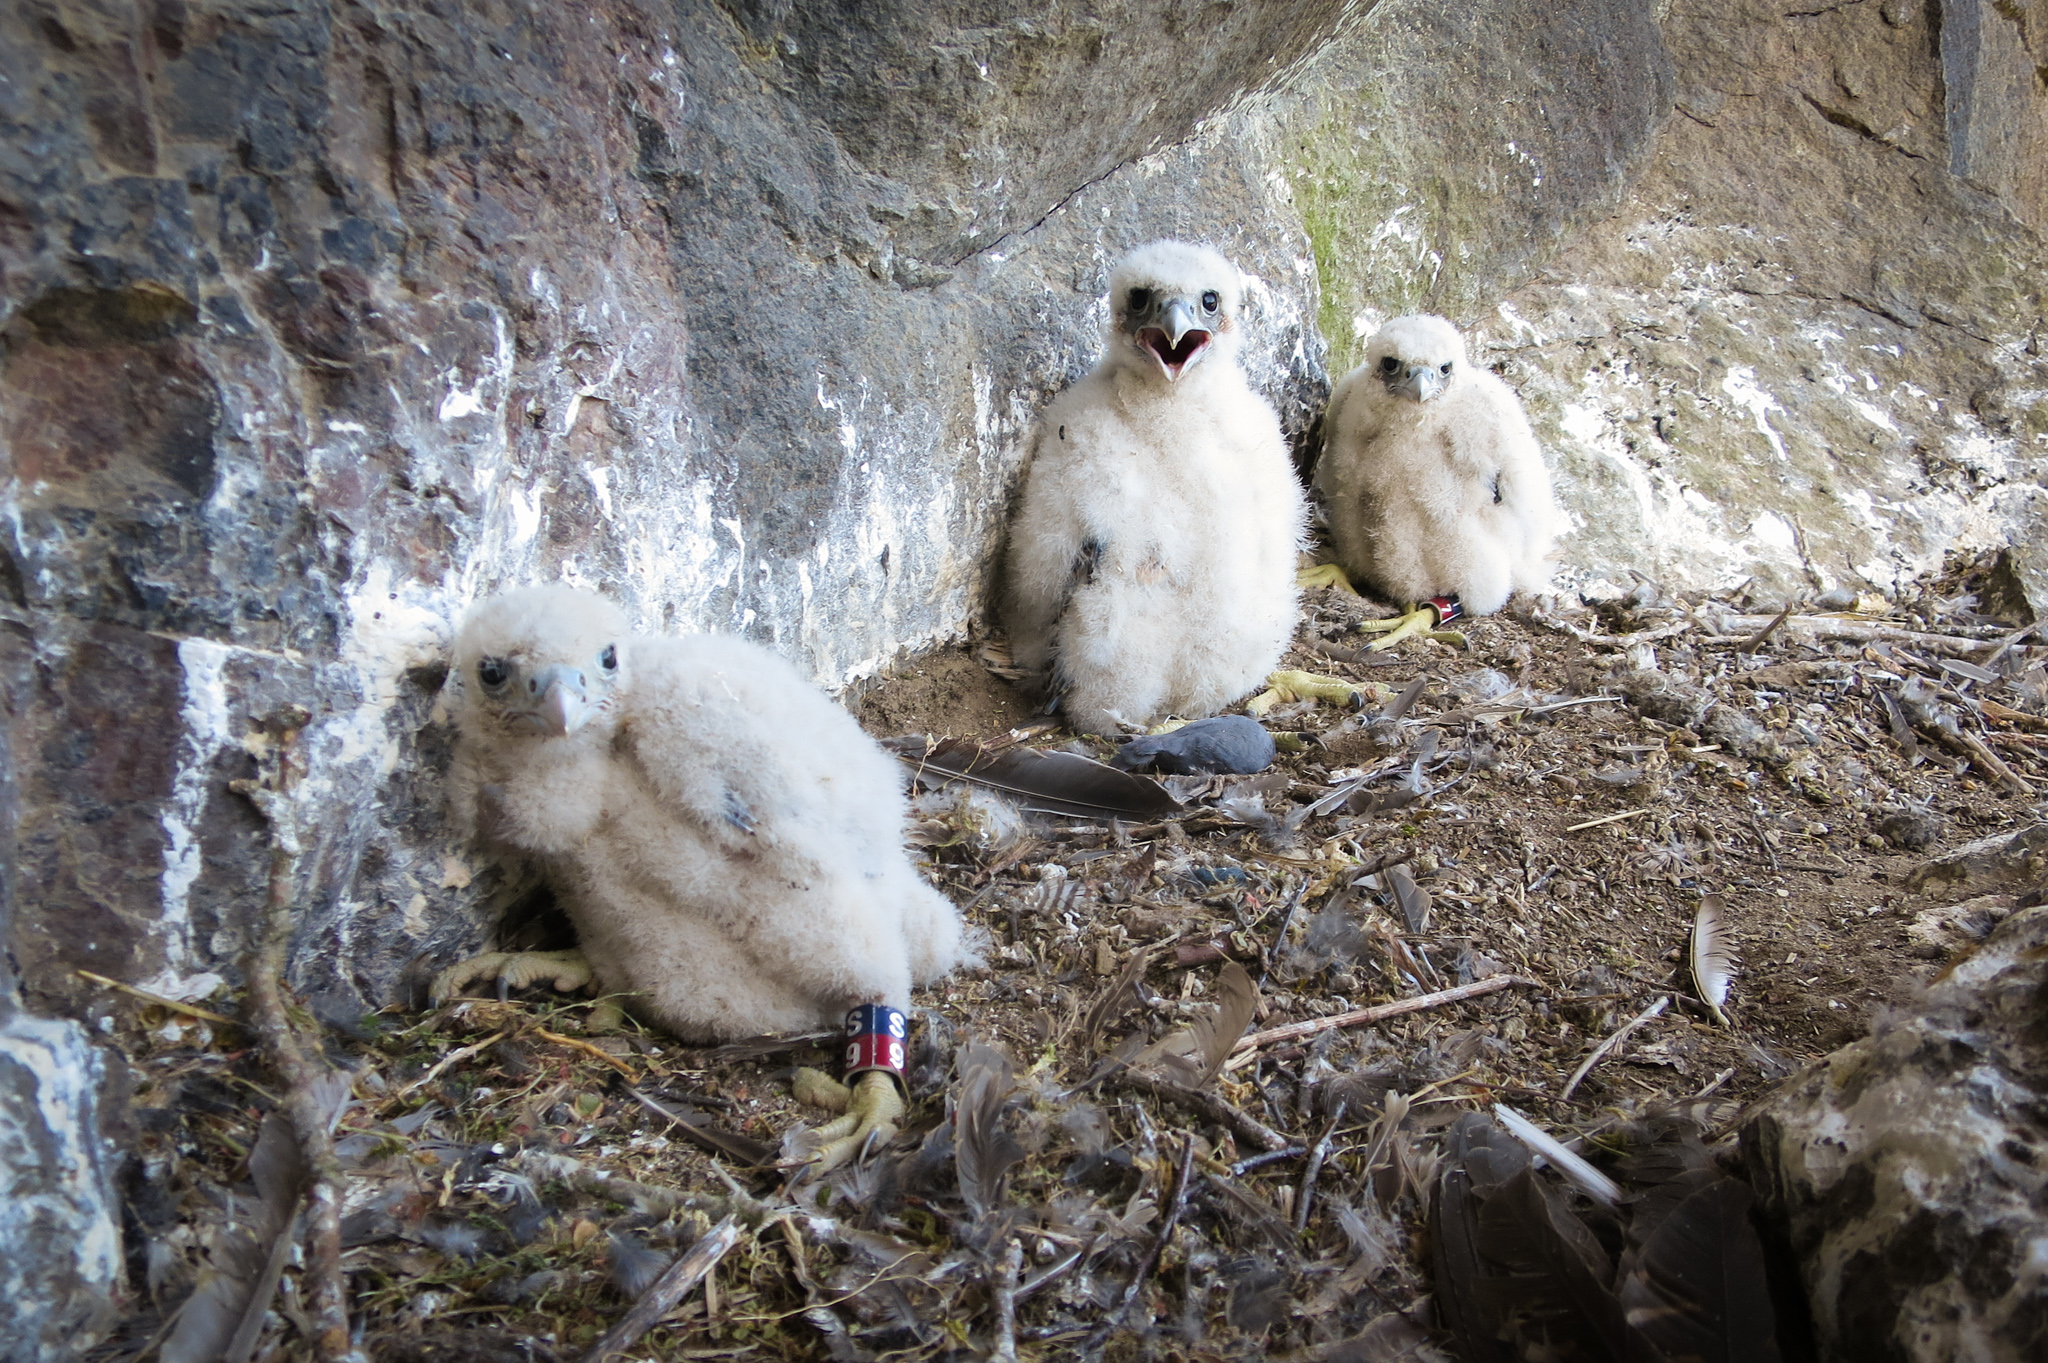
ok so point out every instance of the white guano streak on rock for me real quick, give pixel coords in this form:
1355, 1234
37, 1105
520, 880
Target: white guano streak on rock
392, 627
203, 715
459, 401
1687, 533
600, 481
1741, 385
59, 1142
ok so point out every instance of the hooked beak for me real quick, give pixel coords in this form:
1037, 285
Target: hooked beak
560, 701
1420, 382
1177, 343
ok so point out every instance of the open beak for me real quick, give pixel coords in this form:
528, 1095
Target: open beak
1177, 343
561, 704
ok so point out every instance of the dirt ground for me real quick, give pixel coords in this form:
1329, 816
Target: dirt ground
1547, 815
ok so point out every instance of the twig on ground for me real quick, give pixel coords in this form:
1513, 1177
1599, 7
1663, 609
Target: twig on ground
1551, 708
1586, 636
454, 1057
1763, 840
2005, 644
1758, 639
1091, 1348
668, 1290
1985, 758
312, 1120
1210, 1106
1620, 1035
1251, 1162
1320, 1151
1858, 631
1005, 1350
642, 1197
175, 1005
742, 1150
1361, 1017
1714, 1085
1286, 922
594, 1052
1608, 818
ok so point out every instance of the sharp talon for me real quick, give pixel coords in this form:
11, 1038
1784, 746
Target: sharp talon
872, 1107
567, 970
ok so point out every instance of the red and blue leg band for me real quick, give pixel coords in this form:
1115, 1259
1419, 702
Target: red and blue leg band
875, 1035
1446, 607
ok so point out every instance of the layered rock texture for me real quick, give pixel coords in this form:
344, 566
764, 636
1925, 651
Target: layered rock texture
319, 320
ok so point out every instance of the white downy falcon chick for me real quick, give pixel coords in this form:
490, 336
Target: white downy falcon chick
1151, 559
727, 841
1433, 484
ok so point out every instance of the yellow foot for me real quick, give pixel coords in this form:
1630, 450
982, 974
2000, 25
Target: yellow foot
1419, 620
1325, 575
871, 1108
568, 970
1284, 686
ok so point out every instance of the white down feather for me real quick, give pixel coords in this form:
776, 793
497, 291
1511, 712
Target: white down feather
1185, 488
728, 842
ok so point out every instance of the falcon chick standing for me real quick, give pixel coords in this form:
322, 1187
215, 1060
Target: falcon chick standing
727, 841
1151, 559
1432, 482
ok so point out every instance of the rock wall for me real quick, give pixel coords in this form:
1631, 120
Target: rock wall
1797, 337
320, 319
323, 321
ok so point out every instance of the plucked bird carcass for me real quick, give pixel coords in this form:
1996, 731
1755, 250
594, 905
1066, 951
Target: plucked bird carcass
727, 841
1151, 559
1432, 483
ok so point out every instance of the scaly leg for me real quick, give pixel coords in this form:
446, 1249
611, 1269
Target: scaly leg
871, 1108
1418, 620
1287, 685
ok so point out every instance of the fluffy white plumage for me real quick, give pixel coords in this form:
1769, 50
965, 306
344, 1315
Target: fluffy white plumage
1431, 479
726, 839
1151, 559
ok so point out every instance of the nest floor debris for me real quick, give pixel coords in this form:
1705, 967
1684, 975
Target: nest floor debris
1551, 806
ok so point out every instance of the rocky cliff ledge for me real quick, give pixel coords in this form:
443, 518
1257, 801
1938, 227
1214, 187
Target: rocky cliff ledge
319, 320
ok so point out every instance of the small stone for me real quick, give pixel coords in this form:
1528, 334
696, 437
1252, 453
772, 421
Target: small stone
1228, 744
1908, 827
2001, 861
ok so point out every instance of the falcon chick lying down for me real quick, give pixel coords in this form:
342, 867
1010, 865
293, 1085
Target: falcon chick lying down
727, 841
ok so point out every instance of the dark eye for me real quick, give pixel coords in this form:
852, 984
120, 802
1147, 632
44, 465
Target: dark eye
1447, 366
1139, 299
1390, 365
1210, 301
493, 673
609, 659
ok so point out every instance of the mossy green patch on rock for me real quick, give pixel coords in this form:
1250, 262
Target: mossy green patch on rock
1439, 157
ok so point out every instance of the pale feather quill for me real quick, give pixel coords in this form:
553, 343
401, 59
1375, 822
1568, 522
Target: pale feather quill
1713, 957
